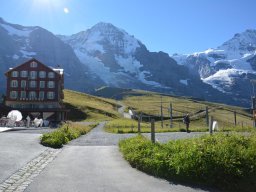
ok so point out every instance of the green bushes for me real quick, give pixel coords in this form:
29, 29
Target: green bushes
63, 135
223, 161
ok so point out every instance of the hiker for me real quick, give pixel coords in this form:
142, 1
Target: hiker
186, 120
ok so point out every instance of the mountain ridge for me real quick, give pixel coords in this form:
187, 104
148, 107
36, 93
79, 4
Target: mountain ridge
105, 55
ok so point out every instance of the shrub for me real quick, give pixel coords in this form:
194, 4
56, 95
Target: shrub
63, 135
224, 161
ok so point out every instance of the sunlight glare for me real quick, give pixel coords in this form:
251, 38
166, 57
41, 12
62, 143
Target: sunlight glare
66, 10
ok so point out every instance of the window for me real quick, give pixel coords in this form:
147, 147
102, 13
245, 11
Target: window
13, 94
33, 64
23, 83
24, 74
42, 84
33, 74
23, 94
14, 83
32, 84
51, 75
15, 74
41, 95
51, 84
41, 106
42, 74
32, 95
50, 95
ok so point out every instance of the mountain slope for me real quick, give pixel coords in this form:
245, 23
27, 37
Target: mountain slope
120, 60
229, 68
18, 44
105, 55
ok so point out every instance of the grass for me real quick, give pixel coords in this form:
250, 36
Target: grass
198, 125
131, 126
149, 105
64, 134
224, 161
83, 106
90, 108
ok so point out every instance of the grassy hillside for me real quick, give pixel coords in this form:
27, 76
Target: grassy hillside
117, 93
91, 108
149, 104
83, 106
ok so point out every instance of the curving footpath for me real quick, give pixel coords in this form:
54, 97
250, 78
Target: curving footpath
93, 163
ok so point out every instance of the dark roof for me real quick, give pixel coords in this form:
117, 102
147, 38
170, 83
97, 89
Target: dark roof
30, 60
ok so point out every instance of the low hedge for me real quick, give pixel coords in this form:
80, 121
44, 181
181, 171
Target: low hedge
224, 161
63, 135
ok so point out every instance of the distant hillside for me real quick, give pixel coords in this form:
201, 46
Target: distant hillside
83, 106
93, 108
116, 93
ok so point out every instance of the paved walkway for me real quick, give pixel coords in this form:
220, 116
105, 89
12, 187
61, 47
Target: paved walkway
17, 149
93, 163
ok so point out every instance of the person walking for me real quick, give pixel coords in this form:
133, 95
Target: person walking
186, 120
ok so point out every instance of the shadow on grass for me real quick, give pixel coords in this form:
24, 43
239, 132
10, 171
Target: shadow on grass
75, 114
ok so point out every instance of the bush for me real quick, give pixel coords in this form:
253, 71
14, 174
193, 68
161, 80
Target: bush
223, 161
63, 135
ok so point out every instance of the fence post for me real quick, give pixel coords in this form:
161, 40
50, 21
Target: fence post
253, 111
210, 124
207, 116
139, 119
162, 123
235, 118
170, 115
153, 139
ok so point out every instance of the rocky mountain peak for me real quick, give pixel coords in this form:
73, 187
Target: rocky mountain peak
241, 42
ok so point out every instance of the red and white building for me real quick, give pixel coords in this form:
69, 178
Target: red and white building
36, 89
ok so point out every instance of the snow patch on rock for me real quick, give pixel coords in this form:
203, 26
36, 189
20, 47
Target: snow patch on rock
129, 64
15, 57
184, 82
24, 32
223, 78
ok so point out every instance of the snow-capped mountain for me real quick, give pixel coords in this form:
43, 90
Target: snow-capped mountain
109, 52
120, 60
229, 68
107, 55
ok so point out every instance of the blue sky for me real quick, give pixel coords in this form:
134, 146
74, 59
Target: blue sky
172, 26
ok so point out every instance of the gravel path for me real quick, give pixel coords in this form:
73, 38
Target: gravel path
98, 137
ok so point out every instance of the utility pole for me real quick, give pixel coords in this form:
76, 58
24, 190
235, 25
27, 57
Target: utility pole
162, 123
170, 115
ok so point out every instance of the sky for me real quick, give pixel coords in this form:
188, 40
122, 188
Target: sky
172, 26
